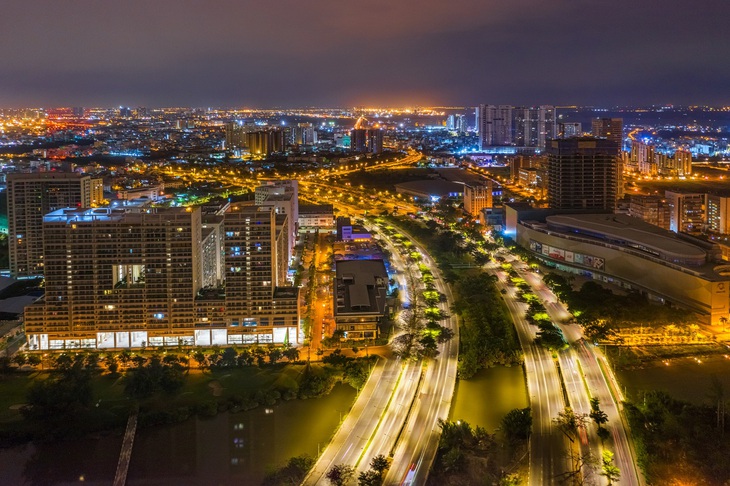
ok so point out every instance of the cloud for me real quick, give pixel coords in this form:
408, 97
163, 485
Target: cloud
287, 52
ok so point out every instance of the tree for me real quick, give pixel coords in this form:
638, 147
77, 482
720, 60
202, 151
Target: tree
5, 364
291, 353
380, 464
112, 365
201, 358
608, 469
340, 474
575, 475
125, 357
275, 354
91, 361
428, 348
597, 329
717, 395
293, 473
63, 362
550, 337
34, 359
20, 359
245, 358
228, 357
517, 424
369, 478
338, 335
599, 416
510, 480
59, 404
569, 422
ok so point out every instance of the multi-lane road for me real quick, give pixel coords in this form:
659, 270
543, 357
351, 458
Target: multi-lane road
584, 362
399, 413
548, 449
358, 427
398, 410
417, 450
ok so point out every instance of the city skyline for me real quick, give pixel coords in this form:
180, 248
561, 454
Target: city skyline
238, 54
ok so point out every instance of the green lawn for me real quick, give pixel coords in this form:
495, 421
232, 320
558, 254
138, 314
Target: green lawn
109, 390
13, 388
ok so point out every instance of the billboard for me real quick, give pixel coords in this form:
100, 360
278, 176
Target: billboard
563, 255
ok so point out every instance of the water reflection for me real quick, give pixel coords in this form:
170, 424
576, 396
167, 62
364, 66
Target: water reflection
487, 397
683, 378
225, 450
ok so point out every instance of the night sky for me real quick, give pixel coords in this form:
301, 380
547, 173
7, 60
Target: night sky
274, 53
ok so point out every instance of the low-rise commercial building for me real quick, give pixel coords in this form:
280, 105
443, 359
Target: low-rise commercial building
361, 288
313, 217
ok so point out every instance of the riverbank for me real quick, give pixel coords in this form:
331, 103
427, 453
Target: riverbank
637, 357
202, 393
228, 449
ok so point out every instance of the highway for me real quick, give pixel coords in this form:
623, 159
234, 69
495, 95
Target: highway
416, 450
387, 433
397, 410
548, 447
583, 358
351, 439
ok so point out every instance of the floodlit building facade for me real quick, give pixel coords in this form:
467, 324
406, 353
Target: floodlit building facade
134, 278
477, 198
30, 197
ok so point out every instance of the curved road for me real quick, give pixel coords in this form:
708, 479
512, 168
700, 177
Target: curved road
548, 448
599, 380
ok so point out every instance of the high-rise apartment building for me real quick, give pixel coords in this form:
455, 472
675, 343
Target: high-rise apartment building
687, 211
212, 232
583, 173
304, 134
477, 197
501, 125
131, 278
283, 196
570, 129
534, 126
456, 123
718, 214
117, 278
610, 128
30, 197
265, 142
643, 156
236, 134
375, 141
358, 140
257, 302
681, 162
495, 125
651, 209
366, 140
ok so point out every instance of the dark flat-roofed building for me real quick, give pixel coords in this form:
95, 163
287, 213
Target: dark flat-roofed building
361, 288
431, 190
583, 173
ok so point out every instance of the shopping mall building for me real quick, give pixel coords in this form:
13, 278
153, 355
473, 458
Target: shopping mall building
629, 253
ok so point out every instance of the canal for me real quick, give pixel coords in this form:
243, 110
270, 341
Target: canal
227, 449
487, 397
683, 378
